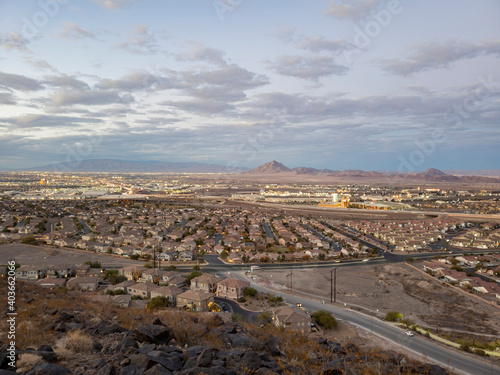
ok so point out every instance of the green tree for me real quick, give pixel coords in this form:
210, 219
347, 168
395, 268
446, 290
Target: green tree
264, 317
113, 277
192, 276
95, 264
393, 316
324, 319
224, 254
196, 267
249, 291
29, 240
158, 302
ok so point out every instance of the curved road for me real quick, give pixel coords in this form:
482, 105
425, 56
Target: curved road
455, 361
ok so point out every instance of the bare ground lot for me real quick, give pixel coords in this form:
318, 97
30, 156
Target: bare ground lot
426, 301
28, 254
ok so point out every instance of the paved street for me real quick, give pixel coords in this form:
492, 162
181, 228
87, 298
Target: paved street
457, 361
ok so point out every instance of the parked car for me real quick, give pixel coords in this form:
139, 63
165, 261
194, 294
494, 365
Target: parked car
409, 333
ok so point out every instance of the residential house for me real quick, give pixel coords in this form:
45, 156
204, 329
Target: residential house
31, 272
131, 272
231, 288
61, 270
152, 275
206, 283
167, 256
142, 290
170, 292
292, 319
195, 300
84, 284
178, 281
121, 286
185, 256
51, 282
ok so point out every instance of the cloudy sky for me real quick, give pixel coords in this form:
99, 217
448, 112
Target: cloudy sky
366, 84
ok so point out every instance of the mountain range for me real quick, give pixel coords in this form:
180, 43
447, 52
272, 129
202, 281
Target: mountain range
125, 166
277, 169
272, 169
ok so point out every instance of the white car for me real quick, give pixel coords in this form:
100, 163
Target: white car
409, 333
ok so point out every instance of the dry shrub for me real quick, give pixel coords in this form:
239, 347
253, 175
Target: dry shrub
27, 361
75, 342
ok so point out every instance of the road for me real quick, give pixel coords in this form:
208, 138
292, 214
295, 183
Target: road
234, 308
455, 361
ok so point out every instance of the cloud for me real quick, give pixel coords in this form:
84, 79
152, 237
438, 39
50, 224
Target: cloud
141, 42
66, 82
91, 97
434, 55
116, 4
73, 31
6, 98
19, 82
353, 10
14, 41
321, 44
141, 80
41, 65
38, 121
214, 91
310, 68
200, 52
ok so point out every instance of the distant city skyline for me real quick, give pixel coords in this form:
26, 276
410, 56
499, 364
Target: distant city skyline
394, 85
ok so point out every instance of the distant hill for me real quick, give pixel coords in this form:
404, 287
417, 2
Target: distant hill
123, 166
271, 167
483, 173
277, 169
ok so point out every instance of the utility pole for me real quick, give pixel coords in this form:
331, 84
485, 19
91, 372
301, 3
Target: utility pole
333, 285
290, 285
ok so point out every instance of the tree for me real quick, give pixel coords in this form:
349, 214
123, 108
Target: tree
324, 319
95, 264
114, 277
29, 240
134, 256
264, 317
196, 267
393, 316
158, 302
224, 254
192, 276
249, 291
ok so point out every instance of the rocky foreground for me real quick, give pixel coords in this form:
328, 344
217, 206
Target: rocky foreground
60, 333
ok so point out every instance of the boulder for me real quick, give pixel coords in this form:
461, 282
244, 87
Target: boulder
153, 334
126, 343
172, 363
157, 370
48, 369
205, 358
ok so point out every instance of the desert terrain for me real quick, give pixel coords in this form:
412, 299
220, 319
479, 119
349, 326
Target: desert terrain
375, 290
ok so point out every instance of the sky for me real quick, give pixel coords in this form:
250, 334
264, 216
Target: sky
395, 85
